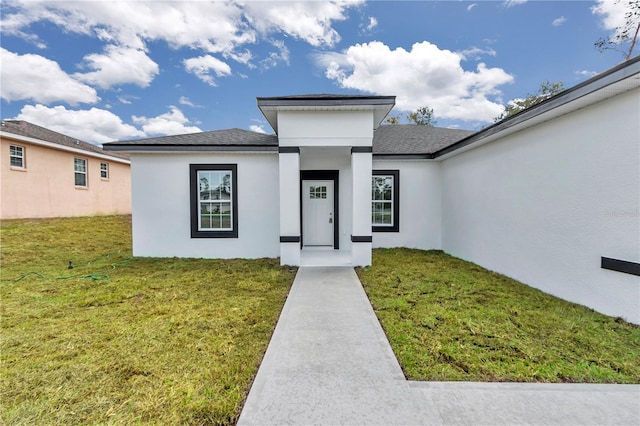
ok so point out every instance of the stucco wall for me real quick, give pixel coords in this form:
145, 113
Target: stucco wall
289, 187
45, 187
325, 128
543, 205
161, 207
361, 168
419, 205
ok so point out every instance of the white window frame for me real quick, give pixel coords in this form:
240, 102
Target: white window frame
104, 171
13, 155
77, 172
197, 202
207, 203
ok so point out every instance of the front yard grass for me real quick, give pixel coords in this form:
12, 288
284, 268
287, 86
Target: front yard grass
121, 340
448, 319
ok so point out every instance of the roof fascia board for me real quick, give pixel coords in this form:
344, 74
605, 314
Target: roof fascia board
60, 147
311, 102
403, 156
612, 76
113, 146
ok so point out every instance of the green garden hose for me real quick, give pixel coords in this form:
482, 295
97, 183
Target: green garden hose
98, 276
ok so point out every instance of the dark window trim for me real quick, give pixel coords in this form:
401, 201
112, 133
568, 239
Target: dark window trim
324, 175
618, 265
194, 199
396, 200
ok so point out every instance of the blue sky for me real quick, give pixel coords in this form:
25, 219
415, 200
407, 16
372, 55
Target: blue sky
103, 71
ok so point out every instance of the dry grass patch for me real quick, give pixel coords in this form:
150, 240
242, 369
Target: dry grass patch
448, 319
118, 340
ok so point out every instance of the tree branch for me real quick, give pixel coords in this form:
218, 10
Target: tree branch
633, 42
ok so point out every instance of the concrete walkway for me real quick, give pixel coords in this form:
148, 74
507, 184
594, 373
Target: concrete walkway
329, 363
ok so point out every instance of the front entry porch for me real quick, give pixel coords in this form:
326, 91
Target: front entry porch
325, 256
325, 154
325, 206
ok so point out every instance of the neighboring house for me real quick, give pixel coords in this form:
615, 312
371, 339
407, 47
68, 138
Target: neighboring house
47, 174
549, 196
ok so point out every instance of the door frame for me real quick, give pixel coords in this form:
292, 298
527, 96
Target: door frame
323, 175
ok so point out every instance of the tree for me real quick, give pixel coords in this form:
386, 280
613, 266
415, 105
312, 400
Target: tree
547, 89
204, 184
394, 119
423, 116
626, 35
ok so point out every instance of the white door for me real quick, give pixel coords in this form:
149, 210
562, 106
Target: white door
317, 212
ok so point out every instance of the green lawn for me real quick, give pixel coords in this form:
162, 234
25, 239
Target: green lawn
118, 340
448, 319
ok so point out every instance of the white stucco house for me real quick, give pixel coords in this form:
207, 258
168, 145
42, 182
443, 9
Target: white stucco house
549, 196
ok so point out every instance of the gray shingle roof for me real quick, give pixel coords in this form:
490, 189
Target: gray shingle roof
30, 130
229, 137
412, 139
397, 139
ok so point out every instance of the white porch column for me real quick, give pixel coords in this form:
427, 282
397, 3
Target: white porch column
289, 166
361, 236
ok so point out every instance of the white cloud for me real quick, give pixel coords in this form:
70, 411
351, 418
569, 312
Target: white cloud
585, 73
511, 3
612, 14
170, 123
203, 66
40, 79
256, 128
186, 101
328, 59
423, 76
99, 126
274, 58
95, 125
13, 23
559, 21
310, 21
373, 22
476, 52
227, 30
243, 57
471, 6
119, 65
211, 26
